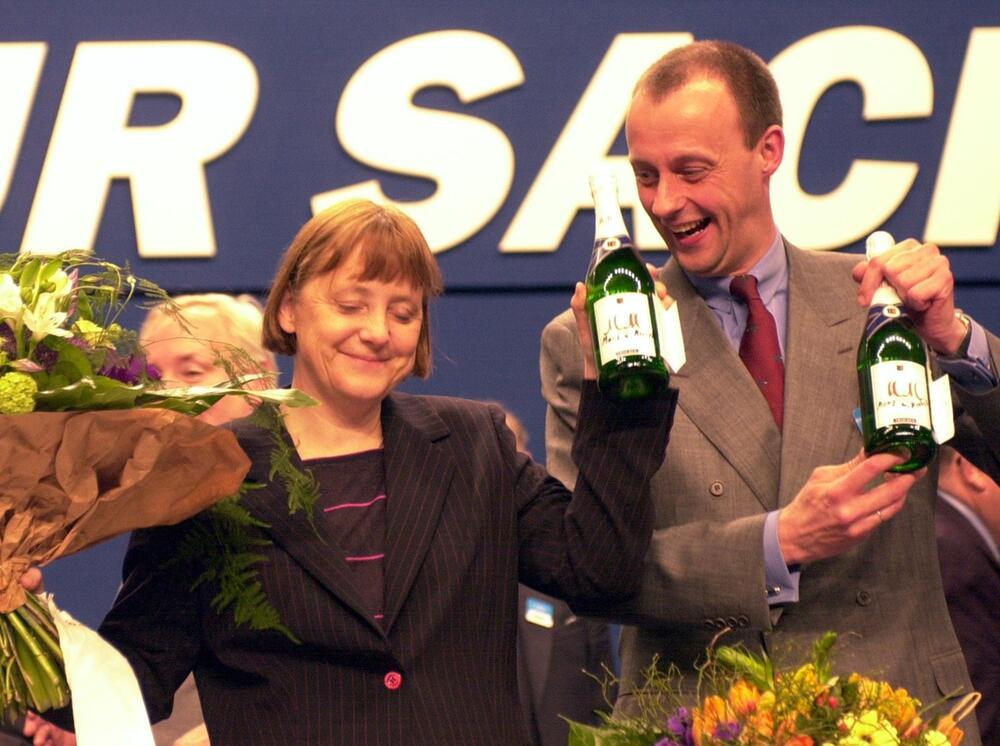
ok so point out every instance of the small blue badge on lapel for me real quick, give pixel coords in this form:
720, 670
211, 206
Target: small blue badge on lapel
540, 612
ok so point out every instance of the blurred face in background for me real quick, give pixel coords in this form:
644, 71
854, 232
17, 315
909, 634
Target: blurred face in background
190, 358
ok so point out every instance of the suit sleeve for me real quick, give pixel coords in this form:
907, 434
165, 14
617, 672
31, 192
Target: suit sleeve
154, 621
977, 427
590, 544
677, 586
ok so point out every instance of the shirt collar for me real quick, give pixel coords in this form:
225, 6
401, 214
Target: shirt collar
771, 272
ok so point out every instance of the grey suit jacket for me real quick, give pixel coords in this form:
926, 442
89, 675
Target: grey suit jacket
727, 465
467, 516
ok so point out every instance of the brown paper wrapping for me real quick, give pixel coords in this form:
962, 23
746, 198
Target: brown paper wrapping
69, 480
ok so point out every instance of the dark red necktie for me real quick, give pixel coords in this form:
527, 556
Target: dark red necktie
759, 348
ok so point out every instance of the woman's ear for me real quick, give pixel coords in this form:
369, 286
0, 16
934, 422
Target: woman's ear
286, 314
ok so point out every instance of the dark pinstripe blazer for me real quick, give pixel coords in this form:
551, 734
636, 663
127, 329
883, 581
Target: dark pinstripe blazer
467, 516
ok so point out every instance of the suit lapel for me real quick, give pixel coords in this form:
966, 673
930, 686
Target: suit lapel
714, 379
824, 324
318, 553
418, 472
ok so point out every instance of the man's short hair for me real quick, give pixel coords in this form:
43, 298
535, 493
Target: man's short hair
745, 74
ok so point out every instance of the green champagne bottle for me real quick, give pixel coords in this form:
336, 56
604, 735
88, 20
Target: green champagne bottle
892, 377
620, 298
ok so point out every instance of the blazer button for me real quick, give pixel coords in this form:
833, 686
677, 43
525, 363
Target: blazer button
393, 680
717, 488
743, 620
863, 598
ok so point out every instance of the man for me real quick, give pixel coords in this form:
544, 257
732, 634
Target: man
968, 533
769, 522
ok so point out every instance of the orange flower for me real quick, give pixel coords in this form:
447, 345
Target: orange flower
744, 698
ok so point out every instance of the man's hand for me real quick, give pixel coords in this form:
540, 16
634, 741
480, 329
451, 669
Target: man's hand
836, 508
579, 306
922, 277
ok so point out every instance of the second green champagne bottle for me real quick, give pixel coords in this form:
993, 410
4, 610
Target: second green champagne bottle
620, 303
892, 377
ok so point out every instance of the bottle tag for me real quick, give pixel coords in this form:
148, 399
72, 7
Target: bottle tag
899, 393
624, 326
942, 413
668, 326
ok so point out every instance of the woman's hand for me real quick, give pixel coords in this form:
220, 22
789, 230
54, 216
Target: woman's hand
43, 733
32, 580
579, 306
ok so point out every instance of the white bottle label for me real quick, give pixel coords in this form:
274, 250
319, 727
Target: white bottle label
899, 392
623, 326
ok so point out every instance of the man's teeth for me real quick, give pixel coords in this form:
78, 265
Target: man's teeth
690, 228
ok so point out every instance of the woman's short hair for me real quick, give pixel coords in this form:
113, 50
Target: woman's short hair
391, 248
236, 320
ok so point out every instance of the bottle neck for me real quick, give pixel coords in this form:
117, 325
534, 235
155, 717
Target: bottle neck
886, 295
608, 219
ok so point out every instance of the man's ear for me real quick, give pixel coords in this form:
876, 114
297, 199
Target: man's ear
971, 475
771, 149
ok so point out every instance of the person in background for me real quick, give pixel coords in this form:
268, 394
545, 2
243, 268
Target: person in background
185, 347
187, 354
559, 654
968, 535
770, 521
401, 592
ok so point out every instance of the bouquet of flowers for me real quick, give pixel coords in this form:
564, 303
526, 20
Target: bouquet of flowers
753, 704
93, 444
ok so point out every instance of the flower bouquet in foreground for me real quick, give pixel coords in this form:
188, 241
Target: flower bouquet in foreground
753, 704
93, 444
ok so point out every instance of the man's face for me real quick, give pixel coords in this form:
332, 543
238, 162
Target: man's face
705, 190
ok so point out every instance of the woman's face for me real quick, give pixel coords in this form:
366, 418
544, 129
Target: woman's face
186, 360
355, 339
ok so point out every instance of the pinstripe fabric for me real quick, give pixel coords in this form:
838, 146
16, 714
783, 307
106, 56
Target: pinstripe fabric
467, 517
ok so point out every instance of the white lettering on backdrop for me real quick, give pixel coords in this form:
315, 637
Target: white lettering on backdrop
93, 144
378, 124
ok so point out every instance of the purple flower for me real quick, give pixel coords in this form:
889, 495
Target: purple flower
128, 370
679, 728
7, 342
727, 731
46, 357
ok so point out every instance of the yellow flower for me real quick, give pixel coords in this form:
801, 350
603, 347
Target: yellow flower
17, 393
712, 712
869, 730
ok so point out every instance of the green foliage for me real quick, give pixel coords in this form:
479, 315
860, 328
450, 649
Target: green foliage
224, 543
302, 487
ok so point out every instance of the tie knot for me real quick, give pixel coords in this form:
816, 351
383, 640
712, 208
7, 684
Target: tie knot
744, 287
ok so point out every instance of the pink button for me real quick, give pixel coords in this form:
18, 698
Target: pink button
393, 680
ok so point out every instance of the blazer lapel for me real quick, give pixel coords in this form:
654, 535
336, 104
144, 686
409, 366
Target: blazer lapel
714, 380
319, 554
824, 324
418, 472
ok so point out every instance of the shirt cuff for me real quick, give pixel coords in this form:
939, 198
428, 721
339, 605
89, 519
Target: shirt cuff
974, 372
782, 580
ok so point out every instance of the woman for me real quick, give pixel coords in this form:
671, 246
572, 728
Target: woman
403, 595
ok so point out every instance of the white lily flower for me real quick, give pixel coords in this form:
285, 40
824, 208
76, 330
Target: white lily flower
44, 319
10, 298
